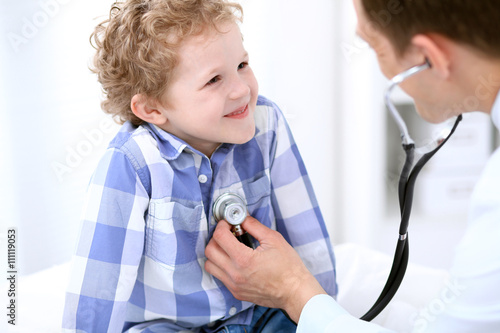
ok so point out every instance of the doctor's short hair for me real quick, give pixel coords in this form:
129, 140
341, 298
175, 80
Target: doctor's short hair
136, 46
471, 22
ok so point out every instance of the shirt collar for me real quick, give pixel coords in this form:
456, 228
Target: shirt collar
495, 112
170, 146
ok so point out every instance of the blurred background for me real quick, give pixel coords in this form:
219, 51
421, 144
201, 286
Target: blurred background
306, 58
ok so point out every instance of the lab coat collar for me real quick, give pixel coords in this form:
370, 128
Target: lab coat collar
495, 112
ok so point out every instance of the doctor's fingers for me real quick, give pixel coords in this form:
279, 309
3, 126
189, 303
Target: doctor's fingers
267, 237
212, 268
258, 231
225, 239
216, 259
215, 253
235, 283
221, 266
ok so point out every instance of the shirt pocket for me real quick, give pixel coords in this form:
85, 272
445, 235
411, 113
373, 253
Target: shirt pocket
258, 197
257, 193
172, 232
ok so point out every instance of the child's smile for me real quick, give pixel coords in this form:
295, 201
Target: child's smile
239, 114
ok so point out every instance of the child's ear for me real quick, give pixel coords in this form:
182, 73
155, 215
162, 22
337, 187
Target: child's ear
147, 109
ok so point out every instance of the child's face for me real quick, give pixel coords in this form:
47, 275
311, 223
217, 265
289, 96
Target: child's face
213, 93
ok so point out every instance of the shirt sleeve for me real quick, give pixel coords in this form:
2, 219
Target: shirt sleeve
323, 314
298, 217
110, 248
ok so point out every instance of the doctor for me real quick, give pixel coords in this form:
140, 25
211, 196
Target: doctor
461, 41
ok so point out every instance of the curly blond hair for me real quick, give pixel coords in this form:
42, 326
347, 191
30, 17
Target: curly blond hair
137, 46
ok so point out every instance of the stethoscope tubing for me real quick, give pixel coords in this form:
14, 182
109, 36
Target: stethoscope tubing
406, 187
395, 81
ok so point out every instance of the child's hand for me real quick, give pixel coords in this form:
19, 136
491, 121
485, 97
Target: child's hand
272, 275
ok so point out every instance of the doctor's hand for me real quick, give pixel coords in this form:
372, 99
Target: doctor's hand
272, 275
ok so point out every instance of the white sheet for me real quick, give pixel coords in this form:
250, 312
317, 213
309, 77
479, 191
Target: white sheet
40, 300
361, 276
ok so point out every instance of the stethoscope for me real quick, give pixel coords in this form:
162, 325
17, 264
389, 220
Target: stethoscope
405, 190
232, 208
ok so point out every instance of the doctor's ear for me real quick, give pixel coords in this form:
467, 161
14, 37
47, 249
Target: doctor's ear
147, 109
436, 50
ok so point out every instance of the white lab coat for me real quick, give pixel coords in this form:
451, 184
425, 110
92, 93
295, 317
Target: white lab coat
471, 303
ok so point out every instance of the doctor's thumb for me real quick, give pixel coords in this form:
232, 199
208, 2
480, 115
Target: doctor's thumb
258, 231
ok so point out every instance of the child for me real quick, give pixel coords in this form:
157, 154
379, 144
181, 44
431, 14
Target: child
176, 74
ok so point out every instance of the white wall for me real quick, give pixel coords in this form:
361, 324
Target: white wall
49, 98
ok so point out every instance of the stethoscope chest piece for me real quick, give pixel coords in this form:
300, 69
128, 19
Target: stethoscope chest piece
230, 207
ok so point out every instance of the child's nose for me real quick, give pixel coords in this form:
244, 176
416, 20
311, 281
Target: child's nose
239, 88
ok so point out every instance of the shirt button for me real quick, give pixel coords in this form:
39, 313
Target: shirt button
232, 311
202, 179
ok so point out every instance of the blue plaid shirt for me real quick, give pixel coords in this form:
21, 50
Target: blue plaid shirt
139, 264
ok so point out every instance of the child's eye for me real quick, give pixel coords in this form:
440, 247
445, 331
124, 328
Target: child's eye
214, 80
242, 65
